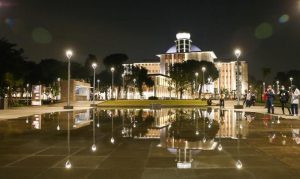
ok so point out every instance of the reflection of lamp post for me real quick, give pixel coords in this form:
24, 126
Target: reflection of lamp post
68, 164
94, 147
238, 164
112, 69
291, 80
112, 140
69, 54
58, 127
197, 125
94, 66
237, 53
220, 148
98, 123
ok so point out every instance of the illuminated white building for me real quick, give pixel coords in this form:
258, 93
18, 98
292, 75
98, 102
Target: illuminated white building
184, 50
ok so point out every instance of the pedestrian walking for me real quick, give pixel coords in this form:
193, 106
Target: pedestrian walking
222, 100
295, 93
248, 99
253, 99
270, 99
284, 99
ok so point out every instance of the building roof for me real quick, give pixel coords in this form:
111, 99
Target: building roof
194, 48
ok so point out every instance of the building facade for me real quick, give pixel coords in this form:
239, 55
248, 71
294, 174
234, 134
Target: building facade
184, 50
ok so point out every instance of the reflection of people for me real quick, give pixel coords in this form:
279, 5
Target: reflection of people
296, 135
270, 99
295, 93
284, 98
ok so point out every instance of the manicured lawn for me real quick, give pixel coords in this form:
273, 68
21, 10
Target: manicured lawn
151, 102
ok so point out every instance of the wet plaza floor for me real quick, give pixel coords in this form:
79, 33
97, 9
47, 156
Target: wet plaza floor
150, 143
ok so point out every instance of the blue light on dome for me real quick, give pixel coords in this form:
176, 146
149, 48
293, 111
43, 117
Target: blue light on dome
194, 48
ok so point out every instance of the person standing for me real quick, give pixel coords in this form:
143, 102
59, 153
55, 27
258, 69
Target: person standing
295, 93
222, 100
248, 99
284, 98
270, 99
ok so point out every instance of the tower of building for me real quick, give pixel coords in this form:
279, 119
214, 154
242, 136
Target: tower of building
183, 42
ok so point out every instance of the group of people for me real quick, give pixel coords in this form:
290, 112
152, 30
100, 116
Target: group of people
285, 97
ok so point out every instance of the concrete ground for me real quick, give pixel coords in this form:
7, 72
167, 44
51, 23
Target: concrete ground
17, 112
229, 105
31, 110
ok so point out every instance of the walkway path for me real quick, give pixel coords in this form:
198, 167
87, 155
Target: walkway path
259, 109
31, 110
17, 112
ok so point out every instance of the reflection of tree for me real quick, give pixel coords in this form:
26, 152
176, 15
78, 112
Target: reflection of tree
142, 124
184, 127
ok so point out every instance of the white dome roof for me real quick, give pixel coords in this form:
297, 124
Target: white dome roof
194, 48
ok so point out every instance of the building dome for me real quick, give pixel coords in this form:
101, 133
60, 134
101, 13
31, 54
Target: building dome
194, 48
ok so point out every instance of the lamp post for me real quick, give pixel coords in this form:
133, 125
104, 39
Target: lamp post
94, 66
291, 80
277, 83
69, 54
219, 70
98, 82
196, 81
134, 80
112, 69
58, 83
123, 83
203, 78
27, 86
237, 53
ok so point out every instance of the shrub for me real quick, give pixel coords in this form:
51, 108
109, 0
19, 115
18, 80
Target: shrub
153, 98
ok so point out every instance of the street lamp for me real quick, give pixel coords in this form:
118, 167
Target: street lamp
219, 70
237, 53
58, 82
134, 80
94, 66
98, 81
196, 81
123, 82
291, 79
69, 54
27, 85
112, 69
203, 78
277, 83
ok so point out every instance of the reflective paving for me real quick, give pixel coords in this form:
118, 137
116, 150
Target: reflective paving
150, 143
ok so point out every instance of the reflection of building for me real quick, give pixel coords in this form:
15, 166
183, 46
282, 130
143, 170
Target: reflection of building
79, 90
184, 50
233, 123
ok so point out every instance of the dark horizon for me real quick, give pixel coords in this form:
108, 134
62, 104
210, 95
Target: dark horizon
266, 32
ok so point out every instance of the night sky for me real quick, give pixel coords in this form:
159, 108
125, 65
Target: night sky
267, 31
